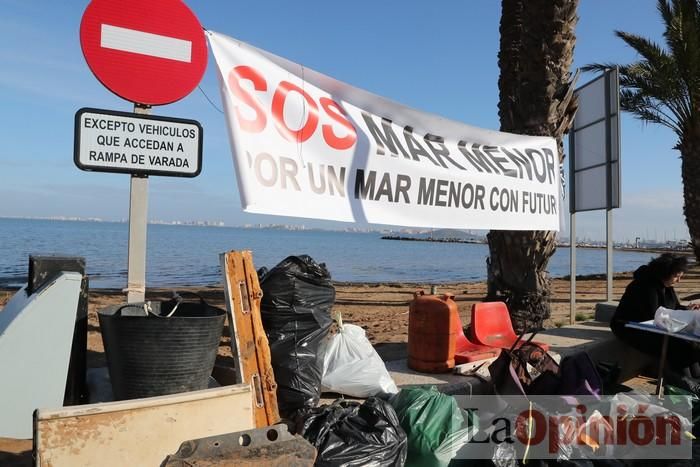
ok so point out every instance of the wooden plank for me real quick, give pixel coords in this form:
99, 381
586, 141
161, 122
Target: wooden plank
262, 345
138, 431
249, 343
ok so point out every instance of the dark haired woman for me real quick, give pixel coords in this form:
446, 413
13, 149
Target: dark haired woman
651, 288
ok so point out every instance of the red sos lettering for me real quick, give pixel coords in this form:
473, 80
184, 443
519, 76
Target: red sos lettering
330, 108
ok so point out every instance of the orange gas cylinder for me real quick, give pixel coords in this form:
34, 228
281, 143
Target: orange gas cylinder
431, 332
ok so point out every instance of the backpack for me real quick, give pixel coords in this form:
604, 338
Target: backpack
511, 373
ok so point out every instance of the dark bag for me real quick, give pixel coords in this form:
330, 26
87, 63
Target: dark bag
609, 374
579, 377
295, 310
575, 376
348, 434
510, 374
548, 371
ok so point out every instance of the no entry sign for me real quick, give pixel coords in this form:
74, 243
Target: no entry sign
146, 51
110, 141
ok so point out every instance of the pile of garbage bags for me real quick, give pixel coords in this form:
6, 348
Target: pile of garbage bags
298, 296
416, 427
420, 426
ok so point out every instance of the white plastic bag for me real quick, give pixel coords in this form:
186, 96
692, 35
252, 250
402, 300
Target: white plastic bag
352, 367
635, 404
674, 320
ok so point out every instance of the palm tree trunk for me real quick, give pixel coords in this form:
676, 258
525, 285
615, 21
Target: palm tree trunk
690, 171
517, 274
536, 98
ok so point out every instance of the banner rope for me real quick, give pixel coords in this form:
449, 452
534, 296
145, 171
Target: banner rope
207, 98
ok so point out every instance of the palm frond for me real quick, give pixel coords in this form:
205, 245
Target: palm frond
652, 52
682, 35
657, 94
665, 11
598, 67
663, 86
647, 109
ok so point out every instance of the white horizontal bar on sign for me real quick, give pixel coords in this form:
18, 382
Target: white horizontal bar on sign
145, 43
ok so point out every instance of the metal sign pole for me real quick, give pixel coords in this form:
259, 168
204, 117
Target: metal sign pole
138, 221
572, 269
572, 226
609, 200
609, 251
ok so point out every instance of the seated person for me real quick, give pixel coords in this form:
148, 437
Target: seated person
651, 288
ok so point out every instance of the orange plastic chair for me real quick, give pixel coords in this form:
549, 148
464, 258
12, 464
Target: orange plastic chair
491, 326
467, 351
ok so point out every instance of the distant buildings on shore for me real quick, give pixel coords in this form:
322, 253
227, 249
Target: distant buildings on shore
440, 235
97, 219
460, 236
638, 244
197, 223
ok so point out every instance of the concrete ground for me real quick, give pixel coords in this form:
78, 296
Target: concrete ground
593, 337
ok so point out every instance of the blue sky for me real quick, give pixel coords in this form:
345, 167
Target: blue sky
439, 57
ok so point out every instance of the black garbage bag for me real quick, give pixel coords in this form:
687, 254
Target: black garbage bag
349, 434
295, 308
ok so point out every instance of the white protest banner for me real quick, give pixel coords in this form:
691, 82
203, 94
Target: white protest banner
307, 145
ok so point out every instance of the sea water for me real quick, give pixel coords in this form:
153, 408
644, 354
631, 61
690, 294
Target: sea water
179, 255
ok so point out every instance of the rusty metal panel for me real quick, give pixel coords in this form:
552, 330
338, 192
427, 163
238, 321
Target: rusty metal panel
272, 446
139, 431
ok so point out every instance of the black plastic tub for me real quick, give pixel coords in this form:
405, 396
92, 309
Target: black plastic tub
150, 354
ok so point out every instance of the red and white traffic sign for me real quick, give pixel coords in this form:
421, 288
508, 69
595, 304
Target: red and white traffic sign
146, 51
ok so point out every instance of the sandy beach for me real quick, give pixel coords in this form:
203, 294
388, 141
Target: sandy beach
382, 309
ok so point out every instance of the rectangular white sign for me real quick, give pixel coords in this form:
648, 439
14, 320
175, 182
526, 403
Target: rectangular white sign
110, 141
594, 145
307, 145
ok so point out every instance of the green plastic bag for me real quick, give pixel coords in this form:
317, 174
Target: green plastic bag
434, 425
